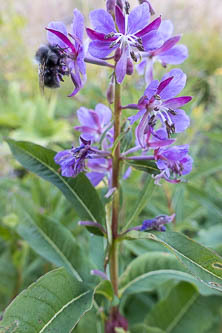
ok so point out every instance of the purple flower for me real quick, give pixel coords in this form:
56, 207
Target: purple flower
168, 53
72, 161
159, 103
147, 138
94, 122
71, 47
100, 167
157, 223
128, 36
173, 163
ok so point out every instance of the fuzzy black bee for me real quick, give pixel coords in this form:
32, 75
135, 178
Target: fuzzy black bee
52, 66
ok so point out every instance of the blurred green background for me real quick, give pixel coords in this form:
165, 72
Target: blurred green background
49, 119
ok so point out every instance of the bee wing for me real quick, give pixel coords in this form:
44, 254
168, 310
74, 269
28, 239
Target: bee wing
41, 76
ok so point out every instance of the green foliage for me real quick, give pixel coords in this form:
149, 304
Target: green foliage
184, 310
199, 260
151, 270
54, 303
40, 160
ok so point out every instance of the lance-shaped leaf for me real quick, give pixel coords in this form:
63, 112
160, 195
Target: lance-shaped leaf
144, 165
203, 263
184, 310
55, 243
105, 288
54, 303
150, 270
40, 160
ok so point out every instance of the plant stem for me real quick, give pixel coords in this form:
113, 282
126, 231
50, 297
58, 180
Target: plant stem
115, 184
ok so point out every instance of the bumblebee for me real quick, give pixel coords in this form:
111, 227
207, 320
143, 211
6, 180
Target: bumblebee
52, 66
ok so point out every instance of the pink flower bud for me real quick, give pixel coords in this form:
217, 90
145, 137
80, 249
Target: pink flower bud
117, 54
129, 67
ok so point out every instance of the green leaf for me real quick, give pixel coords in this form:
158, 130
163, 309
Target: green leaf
184, 310
105, 289
54, 303
55, 243
144, 196
148, 271
199, 260
144, 165
8, 275
40, 160
96, 251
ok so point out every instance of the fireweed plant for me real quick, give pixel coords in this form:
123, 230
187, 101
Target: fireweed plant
121, 39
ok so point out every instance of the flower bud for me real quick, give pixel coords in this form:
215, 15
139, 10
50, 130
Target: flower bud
110, 6
116, 320
117, 54
129, 67
110, 92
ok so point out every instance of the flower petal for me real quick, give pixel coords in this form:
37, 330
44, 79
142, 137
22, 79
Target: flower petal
94, 35
135, 117
95, 177
187, 165
52, 38
63, 38
152, 40
102, 21
88, 133
180, 120
164, 84
166, 29
78, 26
176, 85
175, 103
167, 45
76, 79
174, 56
141, 67
100, 49
140, 130
104, 114
151, 89
138, 18
175, 153
152, 26
87, 117
120, 19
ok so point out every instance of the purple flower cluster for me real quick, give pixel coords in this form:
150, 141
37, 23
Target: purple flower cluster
93, 125
125, 36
